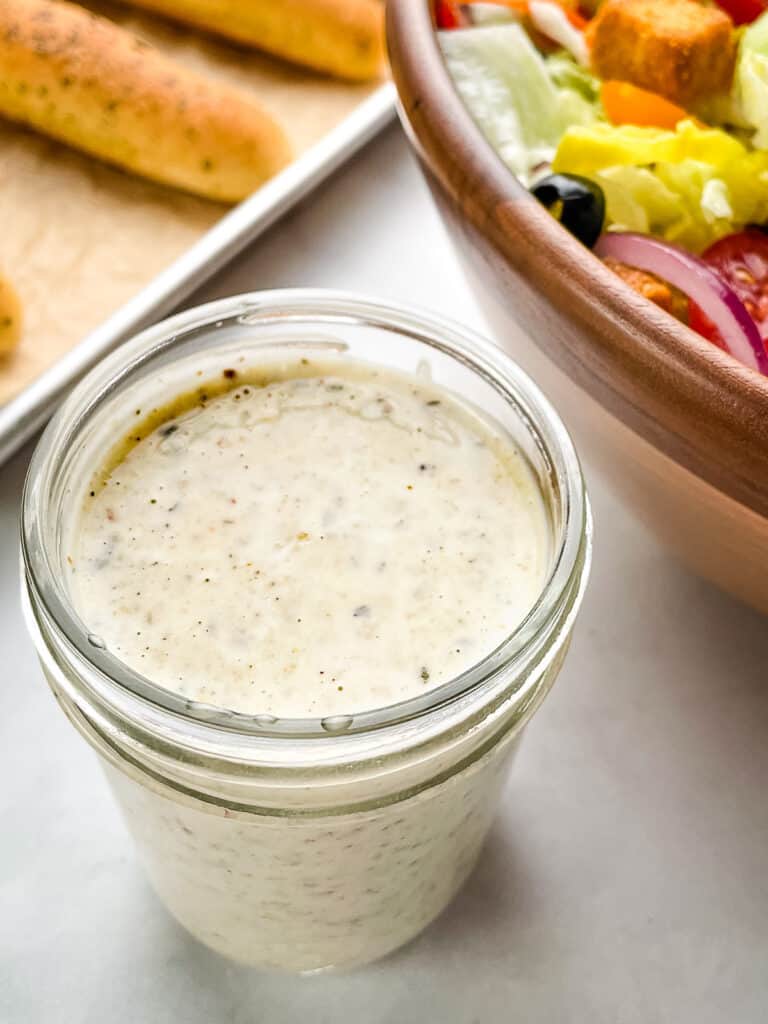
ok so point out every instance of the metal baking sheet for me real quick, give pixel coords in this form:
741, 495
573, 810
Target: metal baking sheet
27, 412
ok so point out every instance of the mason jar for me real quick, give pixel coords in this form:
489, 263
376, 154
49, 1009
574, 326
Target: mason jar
302, 844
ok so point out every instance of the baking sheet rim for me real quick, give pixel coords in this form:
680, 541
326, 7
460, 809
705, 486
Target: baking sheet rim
25, 414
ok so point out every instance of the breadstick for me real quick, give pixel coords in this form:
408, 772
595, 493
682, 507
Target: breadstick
10, 317
84, 80
343, 37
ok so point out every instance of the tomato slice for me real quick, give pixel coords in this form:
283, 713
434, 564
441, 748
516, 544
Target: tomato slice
448, 14
743, 12
742, 262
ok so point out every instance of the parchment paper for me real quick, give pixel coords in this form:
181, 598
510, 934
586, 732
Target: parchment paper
78, 239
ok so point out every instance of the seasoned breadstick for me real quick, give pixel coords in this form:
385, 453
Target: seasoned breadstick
84, 80
343, 37
10, 317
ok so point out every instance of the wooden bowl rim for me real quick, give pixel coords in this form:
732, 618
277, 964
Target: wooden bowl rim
688, 398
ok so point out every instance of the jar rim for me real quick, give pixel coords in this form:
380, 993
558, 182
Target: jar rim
304, 306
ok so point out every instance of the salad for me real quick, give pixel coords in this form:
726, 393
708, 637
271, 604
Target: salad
642, 125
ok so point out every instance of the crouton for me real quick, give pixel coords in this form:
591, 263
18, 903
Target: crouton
677, 48
652, 288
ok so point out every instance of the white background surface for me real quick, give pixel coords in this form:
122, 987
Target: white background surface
626, 880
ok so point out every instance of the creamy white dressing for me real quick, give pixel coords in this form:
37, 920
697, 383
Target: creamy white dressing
315, 546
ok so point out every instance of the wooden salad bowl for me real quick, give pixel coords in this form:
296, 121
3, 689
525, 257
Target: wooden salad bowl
678, 427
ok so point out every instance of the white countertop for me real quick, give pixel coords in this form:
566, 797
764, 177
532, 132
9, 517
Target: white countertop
626, 880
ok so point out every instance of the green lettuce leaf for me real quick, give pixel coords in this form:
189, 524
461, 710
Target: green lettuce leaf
521, 102
568, 75
751, 79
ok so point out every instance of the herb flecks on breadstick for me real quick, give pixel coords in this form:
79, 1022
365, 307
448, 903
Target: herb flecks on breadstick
86, 81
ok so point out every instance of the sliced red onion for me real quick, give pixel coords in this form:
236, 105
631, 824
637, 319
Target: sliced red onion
550, 19
699, 282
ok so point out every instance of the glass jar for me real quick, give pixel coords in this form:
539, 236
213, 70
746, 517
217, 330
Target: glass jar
302, 844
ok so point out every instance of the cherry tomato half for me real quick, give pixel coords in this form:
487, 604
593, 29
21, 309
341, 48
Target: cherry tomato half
448, 14
743, 12
742, 262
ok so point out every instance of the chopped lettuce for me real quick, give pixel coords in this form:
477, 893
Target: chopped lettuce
570, 76
636, 200
751, 79
724, 110
690, 186
520, 104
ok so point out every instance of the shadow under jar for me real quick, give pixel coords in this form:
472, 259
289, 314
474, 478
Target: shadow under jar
301, 843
